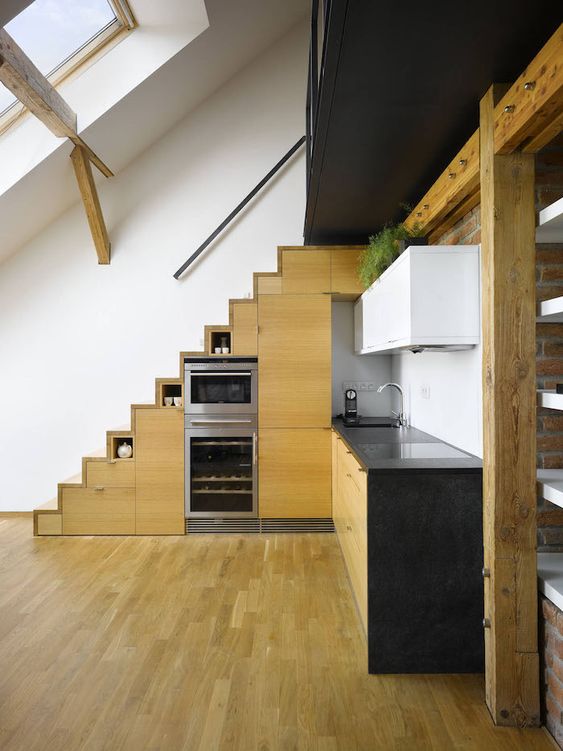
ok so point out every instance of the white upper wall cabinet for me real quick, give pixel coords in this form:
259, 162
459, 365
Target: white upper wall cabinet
429, 297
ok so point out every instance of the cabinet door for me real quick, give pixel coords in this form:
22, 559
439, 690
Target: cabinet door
295, 476
294, 361
159, 451
245, 329
386, 309
305, 271
103, 511
116, 474
350, 521
344, 273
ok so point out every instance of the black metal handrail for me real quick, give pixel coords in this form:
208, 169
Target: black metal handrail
241, 206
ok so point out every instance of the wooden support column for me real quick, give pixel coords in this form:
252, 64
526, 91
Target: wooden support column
509, 435
89, 193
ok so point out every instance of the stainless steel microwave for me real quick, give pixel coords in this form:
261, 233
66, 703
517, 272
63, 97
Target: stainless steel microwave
221, 386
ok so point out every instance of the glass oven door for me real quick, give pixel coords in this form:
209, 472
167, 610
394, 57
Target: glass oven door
221, 392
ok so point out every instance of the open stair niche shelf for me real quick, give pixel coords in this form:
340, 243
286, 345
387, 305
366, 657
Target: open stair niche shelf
169, 391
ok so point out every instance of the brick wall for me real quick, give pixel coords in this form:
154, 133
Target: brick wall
551, 660
549, 371
466, 232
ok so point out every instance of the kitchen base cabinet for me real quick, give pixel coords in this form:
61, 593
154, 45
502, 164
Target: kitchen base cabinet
425, 555
412, 542
294, 473
349, 495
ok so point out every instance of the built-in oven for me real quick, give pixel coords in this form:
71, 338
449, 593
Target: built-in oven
221, 466
221, 386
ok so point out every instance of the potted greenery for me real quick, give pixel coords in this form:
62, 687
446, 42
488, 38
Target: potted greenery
385, 247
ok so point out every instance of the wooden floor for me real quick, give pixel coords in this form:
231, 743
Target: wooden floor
202, 643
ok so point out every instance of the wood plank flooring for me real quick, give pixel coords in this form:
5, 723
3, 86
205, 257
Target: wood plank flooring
208, 642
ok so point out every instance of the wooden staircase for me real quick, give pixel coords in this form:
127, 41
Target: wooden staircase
144, 494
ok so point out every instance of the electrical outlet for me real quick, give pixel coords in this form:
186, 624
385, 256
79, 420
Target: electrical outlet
358, 385
425, 392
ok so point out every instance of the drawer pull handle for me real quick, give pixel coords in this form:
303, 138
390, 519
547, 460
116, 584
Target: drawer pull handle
349, 528
348, 475
348, 452
361, 469
98, 488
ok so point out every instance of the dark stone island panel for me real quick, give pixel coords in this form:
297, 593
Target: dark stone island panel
425, 557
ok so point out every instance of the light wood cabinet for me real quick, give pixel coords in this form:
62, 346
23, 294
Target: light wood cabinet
295, 473
103, 511
159, 452
306, 271
345, 284
245, 329
49, 524
349, 501
116, 474
294, 361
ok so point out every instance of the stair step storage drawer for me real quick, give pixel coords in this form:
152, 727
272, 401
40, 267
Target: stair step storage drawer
429, 297
91, 511
110, 475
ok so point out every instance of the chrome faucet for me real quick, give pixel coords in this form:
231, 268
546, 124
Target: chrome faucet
401, 416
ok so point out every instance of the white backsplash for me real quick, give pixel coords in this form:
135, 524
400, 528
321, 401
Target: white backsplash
349, 367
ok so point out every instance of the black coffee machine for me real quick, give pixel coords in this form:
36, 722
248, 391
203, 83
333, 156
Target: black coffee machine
351, 407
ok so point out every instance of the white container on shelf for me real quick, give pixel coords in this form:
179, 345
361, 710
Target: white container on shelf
428, 298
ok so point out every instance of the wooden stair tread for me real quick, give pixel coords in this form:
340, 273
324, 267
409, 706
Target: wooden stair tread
74, 480
96, 454
51, 505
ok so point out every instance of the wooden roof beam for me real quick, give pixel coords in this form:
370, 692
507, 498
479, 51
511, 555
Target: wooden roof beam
29, 85
89, 193
459, 180
34, 91
530, 114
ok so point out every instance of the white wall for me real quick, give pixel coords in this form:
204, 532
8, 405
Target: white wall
79, 342
453, 409
347, 366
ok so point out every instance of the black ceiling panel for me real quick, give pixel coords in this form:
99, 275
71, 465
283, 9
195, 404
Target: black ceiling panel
400, 96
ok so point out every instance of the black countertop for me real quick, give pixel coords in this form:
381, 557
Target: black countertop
400, 449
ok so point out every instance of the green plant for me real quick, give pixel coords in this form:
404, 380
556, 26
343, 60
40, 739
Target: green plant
383, 249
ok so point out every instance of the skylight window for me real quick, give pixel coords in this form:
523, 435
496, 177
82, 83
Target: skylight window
58, 35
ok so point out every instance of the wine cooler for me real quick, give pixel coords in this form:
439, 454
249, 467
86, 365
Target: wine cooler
221, 466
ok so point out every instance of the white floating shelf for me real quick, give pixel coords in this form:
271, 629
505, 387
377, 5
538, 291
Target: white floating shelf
550, 226
550, 485
551, 311
550, 399
550, 577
